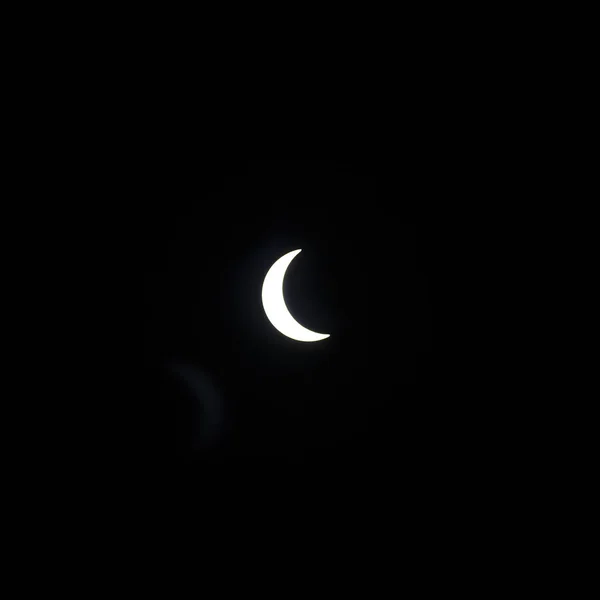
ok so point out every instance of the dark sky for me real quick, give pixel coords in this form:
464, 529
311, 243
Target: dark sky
237, 394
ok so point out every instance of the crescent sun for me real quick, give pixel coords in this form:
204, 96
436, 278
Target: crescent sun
274, 304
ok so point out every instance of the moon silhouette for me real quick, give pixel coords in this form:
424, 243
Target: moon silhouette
274, 304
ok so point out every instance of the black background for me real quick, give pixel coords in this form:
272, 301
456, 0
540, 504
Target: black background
236, 395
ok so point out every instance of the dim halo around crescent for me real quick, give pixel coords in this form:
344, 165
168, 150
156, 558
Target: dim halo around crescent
275, 307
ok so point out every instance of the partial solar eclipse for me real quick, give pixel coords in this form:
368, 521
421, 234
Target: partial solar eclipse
274, 303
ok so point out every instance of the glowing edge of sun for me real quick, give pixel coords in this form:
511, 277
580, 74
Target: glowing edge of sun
274, 303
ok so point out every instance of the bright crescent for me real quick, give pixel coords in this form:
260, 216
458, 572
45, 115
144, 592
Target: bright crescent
274, 303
